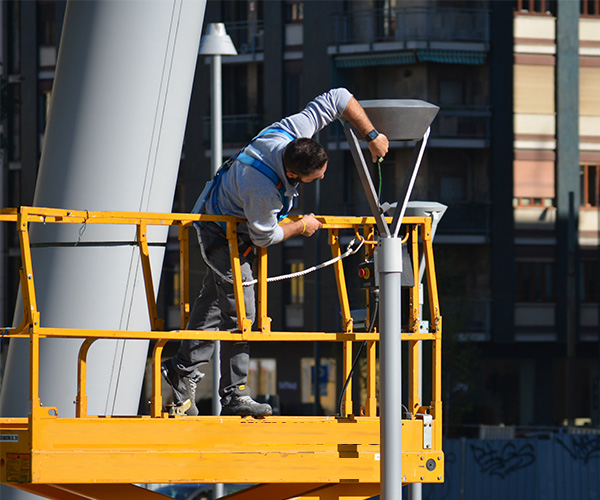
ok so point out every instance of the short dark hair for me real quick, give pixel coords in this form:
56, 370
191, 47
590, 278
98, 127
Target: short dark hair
304, 156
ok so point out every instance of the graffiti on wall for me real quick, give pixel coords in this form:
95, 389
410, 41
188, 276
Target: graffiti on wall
583, 447
502, 459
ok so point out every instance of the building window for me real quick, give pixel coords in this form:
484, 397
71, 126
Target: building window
547, 7
527, 201
589, 277
297, 284
590, 185
294, 307
294, 12
12, 107
262, 377
590, 8
327, 383
452, 92
452, 189
537, 282
46, 27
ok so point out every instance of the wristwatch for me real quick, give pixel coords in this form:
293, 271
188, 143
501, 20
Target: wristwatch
372, 135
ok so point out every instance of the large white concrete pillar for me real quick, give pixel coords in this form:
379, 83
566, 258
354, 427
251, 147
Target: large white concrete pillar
113, 142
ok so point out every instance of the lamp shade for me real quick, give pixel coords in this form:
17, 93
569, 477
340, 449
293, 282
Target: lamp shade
400, 119
216, 42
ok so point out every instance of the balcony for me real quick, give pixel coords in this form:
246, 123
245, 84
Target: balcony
413, 27
471, 317
462, 126
237, 129
248, 36
465, 219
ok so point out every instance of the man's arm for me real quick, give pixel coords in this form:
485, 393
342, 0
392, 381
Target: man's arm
356, 115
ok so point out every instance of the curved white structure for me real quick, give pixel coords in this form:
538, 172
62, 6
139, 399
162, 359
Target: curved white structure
113, 142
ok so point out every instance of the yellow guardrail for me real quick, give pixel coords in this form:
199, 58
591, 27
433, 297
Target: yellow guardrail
417, 237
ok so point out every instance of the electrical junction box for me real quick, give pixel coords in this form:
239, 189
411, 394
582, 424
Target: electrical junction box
368, 277
367, 274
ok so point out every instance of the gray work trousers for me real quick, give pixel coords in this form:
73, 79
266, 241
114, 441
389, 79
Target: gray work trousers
215, 309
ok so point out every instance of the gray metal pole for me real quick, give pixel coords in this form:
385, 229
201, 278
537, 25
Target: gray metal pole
217, 115
217, 158
217, 155
389, 262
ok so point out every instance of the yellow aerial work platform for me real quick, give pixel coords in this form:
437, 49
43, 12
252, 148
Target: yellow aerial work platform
326, 457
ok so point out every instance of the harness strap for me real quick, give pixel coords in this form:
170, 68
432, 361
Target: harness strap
262, 168
273, 177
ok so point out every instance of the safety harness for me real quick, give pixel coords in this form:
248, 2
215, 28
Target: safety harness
210, 192
246, 159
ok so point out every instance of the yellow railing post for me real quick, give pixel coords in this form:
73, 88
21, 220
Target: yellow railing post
81, 400
436, 326
30, 303
184, 271
142, 236
264, 322
156, 403
334, 243
414, 399
371, 402
244, 323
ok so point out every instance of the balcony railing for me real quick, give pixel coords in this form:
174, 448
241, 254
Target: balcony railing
411, 24
462, 122
236, 128
466, 218
468, 316
248, 36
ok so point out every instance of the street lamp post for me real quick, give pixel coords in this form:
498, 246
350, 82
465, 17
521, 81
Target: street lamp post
216, 43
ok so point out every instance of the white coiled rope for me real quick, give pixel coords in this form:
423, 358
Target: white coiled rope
349, 251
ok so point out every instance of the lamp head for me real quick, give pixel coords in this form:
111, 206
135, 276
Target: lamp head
216, 42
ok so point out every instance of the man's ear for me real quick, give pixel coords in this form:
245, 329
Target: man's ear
291, 175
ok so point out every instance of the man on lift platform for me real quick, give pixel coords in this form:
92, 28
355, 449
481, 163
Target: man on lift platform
259, 185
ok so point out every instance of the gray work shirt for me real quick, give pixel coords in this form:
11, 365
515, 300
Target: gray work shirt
245, 192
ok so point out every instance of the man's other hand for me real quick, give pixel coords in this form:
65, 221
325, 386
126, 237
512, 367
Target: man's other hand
379, 147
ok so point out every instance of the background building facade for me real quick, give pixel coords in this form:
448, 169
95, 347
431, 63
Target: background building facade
514, 153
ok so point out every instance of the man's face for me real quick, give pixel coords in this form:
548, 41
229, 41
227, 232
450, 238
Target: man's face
305, 179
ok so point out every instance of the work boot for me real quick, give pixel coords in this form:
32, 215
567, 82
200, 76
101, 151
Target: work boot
184, 387
240, 403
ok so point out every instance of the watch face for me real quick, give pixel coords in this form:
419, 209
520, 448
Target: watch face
372, 135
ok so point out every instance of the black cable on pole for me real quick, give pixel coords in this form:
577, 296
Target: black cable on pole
362, 345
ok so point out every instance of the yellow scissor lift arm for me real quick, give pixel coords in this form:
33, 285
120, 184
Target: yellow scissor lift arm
317, 457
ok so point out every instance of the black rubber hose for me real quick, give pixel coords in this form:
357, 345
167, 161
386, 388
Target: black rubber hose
362, 346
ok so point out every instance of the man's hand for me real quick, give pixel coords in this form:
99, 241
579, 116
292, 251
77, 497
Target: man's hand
379, 147
311, 225
306, 226
356, 115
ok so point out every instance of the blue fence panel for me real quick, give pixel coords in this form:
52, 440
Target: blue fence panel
563, 467
577, 466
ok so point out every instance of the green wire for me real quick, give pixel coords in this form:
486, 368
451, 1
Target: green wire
379, 162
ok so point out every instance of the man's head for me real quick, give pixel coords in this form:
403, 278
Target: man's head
304, 160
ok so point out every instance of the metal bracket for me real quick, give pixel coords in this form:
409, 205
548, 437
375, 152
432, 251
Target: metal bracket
179, 410
365, 179
427, 430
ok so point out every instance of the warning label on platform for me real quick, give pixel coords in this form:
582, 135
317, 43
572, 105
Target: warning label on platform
18, 468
